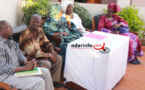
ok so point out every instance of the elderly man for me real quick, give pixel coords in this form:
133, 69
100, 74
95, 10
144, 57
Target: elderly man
12, 60
34, 44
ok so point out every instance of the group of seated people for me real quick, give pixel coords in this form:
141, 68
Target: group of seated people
35, 46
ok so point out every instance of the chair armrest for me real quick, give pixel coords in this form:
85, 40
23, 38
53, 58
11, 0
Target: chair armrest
57, 39
93, 24
95, 21
6, 86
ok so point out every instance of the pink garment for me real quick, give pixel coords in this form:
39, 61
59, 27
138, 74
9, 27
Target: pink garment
114, 7
106, 25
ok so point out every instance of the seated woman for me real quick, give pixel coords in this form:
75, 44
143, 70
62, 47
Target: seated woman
56, 25
112, 23
67, 8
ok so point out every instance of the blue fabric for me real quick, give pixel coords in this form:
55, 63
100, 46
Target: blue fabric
123, 29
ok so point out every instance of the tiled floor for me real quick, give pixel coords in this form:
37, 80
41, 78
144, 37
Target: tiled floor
134, 79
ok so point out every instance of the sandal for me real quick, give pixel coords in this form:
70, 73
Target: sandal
133, 62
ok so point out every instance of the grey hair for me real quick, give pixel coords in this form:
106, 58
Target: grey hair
35, 15
2, 23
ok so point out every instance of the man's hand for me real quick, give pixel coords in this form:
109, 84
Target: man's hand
65, 34
53, 53
57, 49
46, 55
31, 61
53, 58
28, 66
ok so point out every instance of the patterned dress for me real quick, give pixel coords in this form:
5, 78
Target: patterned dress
52, 26
106, 25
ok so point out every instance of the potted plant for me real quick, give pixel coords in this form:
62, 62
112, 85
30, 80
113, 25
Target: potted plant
31, 7
130, 14
84, 15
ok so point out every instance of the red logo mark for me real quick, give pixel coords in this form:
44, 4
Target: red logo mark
99, 46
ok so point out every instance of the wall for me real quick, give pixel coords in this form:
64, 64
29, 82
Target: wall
94, 9
140, 3
108, 1
142, 12
9, 11
123, 3
67, 0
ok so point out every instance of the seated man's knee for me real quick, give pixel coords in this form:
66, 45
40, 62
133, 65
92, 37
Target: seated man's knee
39, 83
45, 71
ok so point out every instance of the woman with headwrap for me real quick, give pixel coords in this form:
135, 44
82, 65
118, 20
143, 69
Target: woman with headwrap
67, 8
56, 25
111, 23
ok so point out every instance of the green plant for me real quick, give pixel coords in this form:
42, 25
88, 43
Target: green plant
84, 15
31, 7
130, 15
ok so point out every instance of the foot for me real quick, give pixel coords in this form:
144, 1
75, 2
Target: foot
133, 62
138, 62
56, 84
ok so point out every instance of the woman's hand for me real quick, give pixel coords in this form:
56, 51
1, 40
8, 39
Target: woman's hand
65, 34
80, 29
114, 32
116, 25
67, 18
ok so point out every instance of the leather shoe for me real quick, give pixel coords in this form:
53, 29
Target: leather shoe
57, 85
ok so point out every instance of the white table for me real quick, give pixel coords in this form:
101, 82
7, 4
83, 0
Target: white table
94, 70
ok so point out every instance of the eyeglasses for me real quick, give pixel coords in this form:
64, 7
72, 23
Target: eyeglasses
110, 11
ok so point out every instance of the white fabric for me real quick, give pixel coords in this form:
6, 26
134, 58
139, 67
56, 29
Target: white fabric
65, 4
77, 21
94, 70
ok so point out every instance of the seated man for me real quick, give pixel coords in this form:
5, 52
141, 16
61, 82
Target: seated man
56, 25
12, 60
34, 44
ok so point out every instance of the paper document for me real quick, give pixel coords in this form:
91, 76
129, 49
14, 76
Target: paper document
36, 71
100, 37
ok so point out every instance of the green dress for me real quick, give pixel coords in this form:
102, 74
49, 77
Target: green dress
52, 26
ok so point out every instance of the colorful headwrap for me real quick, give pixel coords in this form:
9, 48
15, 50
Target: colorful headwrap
114, 7
65, 4
54, 10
